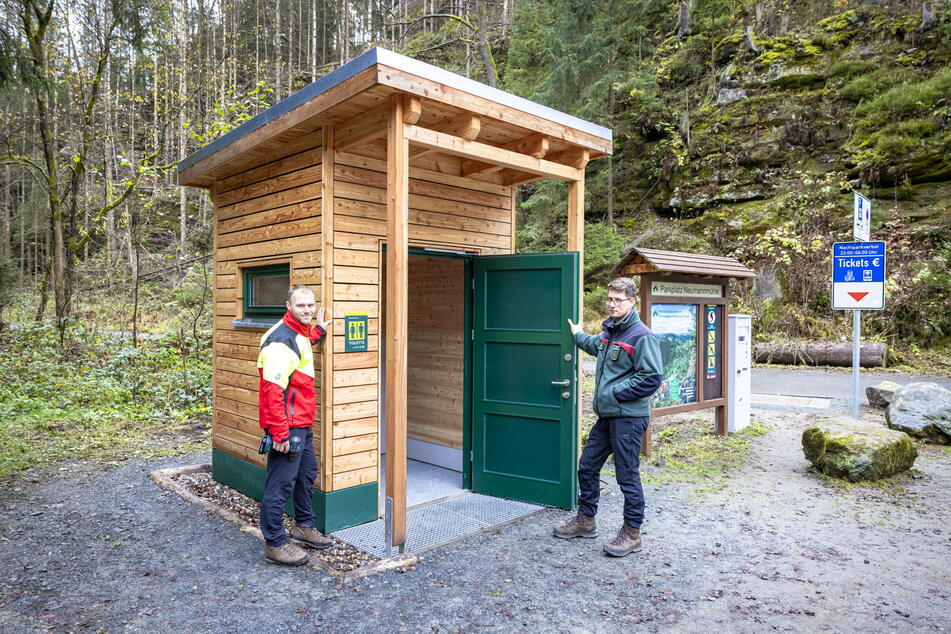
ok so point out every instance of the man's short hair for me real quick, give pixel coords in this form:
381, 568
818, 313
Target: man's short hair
623, 285
299, 287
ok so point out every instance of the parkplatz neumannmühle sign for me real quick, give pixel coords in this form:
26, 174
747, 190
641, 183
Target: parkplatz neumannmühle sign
858, 276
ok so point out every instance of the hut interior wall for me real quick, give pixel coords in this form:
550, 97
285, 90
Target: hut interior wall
269, 213
435, 364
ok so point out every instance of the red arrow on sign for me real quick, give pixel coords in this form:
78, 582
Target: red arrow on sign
857, 296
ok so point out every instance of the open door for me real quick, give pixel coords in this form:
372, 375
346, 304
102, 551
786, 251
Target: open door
524, 370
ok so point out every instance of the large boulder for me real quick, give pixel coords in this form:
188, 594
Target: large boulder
857, 450
882, 394
922, 410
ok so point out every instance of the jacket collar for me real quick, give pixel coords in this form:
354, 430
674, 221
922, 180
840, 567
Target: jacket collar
617, 327
312, 332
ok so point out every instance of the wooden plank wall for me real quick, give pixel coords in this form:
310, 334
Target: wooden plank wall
269, 213
446, 211
435, 366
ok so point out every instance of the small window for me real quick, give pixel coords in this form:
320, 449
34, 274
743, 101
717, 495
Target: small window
265, 290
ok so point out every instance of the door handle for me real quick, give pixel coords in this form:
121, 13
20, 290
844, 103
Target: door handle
564, 383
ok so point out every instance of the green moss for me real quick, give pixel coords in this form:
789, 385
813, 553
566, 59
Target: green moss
853, 67
787, 51
841, 22
905, 100
855, 451
689, 452
861, 88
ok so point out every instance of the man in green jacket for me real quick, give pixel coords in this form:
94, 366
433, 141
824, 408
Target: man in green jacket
628, 371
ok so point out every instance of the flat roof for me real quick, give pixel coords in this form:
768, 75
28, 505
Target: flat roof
402, 63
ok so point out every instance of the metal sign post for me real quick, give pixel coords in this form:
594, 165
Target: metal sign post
858, 283
856, 360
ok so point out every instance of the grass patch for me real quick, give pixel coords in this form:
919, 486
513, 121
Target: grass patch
895, 486
692, 453
100, 398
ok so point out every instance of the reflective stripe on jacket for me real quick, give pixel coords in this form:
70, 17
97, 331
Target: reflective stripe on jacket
629, 366
287, 396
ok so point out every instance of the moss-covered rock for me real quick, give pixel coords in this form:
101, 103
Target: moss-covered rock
855, 450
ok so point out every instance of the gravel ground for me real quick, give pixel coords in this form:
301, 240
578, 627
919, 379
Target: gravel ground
777, 549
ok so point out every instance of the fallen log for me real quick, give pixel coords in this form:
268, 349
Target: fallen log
872, 354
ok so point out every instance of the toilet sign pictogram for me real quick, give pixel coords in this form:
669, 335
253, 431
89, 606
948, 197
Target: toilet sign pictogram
356, 332
858, 276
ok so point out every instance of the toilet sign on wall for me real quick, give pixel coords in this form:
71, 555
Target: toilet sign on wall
356, 332
858, 276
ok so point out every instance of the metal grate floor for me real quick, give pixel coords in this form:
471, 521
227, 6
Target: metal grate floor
439, 523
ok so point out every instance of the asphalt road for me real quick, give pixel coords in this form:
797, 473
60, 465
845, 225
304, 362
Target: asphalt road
835, 383
831, 383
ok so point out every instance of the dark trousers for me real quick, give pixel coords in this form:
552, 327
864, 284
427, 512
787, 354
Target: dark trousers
622, 437
285, 477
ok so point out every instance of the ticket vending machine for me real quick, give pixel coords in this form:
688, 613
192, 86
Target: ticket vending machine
740, 360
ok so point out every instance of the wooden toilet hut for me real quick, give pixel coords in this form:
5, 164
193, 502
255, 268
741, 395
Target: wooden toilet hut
388, 186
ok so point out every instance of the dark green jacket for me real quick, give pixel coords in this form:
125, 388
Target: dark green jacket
629, 366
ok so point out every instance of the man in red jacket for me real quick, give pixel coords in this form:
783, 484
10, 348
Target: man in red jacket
287, 402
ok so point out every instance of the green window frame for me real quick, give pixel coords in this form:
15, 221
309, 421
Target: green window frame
250, 306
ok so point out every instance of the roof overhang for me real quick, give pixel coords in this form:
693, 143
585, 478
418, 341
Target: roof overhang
640, 261
365, 82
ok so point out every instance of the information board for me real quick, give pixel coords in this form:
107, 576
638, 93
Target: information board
676, 328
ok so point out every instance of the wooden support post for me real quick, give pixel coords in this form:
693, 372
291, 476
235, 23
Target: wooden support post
576, 243
327, 301
644, 314
397, 281
722, 416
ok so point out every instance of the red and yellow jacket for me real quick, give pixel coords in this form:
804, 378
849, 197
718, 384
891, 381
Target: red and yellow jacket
286, 395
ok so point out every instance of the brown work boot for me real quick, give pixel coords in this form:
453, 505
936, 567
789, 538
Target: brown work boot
580, 525
628, 541
310, 536
286, 554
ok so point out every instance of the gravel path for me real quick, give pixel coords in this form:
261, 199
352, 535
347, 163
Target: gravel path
777, 549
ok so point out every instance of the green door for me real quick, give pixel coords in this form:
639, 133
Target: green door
524, 424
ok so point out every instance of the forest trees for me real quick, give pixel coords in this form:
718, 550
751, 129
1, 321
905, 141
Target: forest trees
101, 98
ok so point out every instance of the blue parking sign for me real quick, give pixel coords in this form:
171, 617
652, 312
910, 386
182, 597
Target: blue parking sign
858, 276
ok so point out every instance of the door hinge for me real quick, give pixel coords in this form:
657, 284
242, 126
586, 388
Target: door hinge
471, 455
472, 334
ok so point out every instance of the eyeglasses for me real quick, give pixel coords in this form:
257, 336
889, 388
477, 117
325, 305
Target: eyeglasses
613, 301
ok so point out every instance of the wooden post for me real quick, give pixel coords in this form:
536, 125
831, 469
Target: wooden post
723, 412
576, 243
327, 301
645, 315
397, 280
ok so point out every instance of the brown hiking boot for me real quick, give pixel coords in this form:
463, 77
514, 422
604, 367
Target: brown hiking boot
628, 541
286, 554
310, 536
580, 525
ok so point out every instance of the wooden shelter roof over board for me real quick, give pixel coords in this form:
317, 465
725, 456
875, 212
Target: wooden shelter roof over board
639, 261
482, 132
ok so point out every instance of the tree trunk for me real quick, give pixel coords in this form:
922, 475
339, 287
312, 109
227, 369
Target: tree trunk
5, 247
871, 354
683, 19
611, 160
277, 50
487, 59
